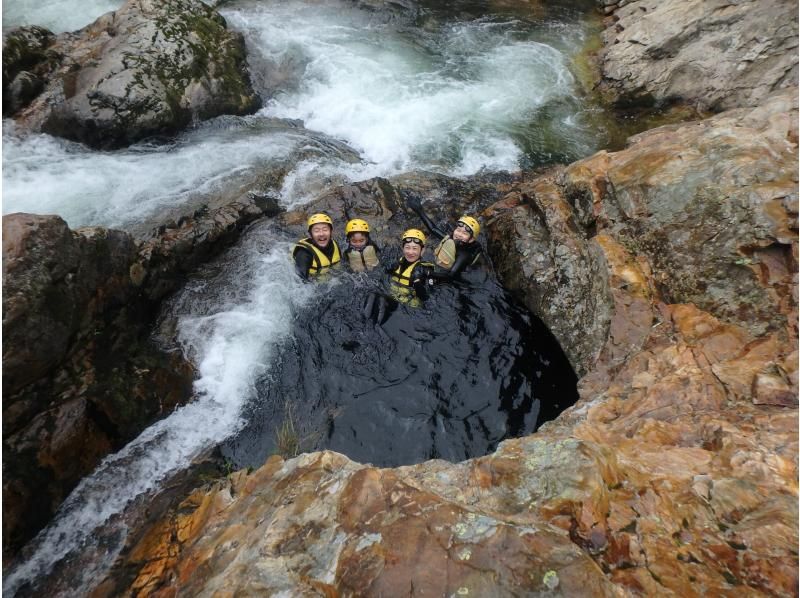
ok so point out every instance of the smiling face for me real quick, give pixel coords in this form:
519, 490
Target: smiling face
463, 233
321, 234
358, 240
412, 251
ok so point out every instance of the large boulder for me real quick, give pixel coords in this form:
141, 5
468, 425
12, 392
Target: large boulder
54, 282
74, 363
712, 54
708, 207
675, 473
151, 67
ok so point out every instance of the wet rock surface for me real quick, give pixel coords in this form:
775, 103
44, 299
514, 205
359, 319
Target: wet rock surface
25, 62
701, 213
81, 375
146, 69
676, 471
714, 55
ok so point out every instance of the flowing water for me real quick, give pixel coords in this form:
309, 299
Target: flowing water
390, 384
350, 93
55, 15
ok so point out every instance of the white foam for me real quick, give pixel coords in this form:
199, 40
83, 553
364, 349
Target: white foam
232, 346
55, 15
45, 175
450, 103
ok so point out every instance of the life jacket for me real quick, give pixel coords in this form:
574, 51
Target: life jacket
320, 264
445, 253
361, 261
401, 283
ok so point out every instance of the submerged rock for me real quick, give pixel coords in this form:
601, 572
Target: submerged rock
676, 471
148, 68
712, 54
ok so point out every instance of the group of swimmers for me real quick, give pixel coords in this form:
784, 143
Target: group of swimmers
318, 253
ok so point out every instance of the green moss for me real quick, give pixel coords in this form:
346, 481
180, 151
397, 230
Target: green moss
584, 65
201, 44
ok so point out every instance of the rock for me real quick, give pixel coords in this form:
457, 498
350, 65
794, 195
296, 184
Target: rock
395, 533
668, 477
695, 213
21, 91
148, 68
81, 374
68, 304
771, 388
560, 274
175, 249
54, 284
714, 55
25, 60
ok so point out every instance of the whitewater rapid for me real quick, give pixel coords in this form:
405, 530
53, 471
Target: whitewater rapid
485, 94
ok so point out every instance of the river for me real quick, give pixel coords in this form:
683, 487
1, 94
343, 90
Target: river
472, 89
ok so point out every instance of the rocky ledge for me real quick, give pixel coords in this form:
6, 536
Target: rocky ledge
669, 272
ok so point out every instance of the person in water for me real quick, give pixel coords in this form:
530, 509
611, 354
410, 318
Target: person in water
456, 251
362, 253
411, 277
315, 255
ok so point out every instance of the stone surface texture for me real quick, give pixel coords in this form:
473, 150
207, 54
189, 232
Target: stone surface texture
674, 475
713, 54
152, 67
81, 375
25, 61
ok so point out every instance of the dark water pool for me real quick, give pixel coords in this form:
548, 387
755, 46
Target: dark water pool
449, 380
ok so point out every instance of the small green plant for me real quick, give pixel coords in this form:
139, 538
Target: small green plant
287, 443
228, 467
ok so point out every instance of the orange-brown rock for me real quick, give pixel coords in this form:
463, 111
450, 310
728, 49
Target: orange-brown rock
668, 272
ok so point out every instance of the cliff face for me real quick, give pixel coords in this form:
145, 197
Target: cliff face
81, 376
675, 472
713, 54
701, 213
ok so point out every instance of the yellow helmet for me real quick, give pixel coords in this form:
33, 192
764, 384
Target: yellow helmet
413, 233
320, 219
356, 225
471, 223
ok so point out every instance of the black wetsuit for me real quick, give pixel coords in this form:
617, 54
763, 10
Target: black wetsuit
466, 253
